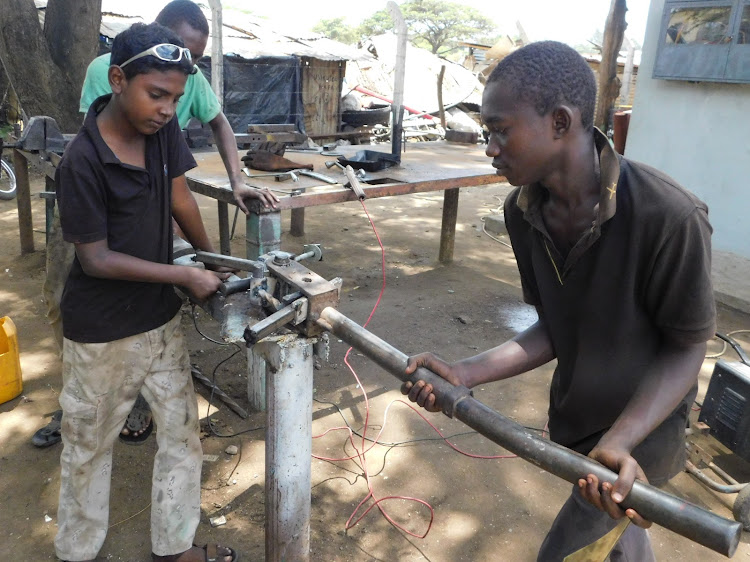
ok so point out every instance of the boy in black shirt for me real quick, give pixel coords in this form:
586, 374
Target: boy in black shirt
120, 182
616, 258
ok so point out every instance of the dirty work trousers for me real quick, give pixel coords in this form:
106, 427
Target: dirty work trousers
60, 256
100, 385
579, 524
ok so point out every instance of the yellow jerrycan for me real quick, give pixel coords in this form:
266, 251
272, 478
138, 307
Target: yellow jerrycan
10, 363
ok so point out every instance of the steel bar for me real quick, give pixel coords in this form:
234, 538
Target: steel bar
690, 521
269, 325
231, 262
223, 396
710, 482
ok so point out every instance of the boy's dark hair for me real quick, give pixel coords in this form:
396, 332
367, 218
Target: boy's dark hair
547, 74
140, 37
183, 11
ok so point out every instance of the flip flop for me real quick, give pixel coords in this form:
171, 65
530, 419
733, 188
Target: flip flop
137, 421
50, 433
211, 552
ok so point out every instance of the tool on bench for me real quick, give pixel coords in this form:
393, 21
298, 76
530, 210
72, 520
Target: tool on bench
354, 183
331, 163
317, 176
278, 176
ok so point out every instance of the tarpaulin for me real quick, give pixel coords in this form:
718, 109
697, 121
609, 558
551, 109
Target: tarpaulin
261, 90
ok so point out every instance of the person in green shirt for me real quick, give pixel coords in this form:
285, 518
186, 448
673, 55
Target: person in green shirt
186, 19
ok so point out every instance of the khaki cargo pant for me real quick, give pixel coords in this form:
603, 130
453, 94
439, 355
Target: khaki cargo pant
100, 385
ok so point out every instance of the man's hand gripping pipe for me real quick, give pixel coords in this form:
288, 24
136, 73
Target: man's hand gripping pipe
686, 519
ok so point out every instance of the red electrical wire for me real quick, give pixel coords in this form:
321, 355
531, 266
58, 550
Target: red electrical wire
360, 454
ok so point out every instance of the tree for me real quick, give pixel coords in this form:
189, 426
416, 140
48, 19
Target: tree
609, 83
337, 30
436, 24
46, 65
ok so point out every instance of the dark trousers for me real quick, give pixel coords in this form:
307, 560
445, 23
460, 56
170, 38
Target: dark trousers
579, 524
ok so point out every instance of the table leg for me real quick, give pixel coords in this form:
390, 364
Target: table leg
23, 200
224, 228
263, 233
297, 227
448, 230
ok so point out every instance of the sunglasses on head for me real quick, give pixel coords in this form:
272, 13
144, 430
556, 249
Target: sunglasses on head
164, 51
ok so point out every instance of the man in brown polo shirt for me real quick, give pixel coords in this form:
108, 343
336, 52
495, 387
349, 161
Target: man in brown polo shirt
615, 256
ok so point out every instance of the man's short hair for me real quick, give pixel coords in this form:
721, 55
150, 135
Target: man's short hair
140, 37
547, 74
183, 11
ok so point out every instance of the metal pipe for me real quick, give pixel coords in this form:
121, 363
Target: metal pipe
710, 482
686, 519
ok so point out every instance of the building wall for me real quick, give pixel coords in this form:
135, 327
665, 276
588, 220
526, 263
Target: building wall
698, 133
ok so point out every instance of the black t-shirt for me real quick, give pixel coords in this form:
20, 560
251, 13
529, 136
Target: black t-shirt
101, 198
640, 276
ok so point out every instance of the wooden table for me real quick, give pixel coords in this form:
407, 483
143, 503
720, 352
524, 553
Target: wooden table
425, 166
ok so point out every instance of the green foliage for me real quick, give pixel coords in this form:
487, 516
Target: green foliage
338, 30
434, 24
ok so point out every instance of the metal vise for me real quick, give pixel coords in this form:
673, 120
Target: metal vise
292, 295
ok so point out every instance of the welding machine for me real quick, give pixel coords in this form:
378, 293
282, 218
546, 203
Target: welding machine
725, 415
726, 407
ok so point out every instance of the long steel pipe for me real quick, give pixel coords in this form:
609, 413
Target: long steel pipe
686, 519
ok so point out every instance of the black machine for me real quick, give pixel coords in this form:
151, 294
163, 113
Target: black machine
726, 408
725, 416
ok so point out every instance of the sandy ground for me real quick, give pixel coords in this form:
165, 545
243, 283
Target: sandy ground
484, 509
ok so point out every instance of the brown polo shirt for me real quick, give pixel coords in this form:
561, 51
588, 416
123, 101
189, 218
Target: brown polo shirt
640, 276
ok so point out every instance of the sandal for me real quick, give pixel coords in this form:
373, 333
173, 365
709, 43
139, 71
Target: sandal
137, 419
50, 433
211, 553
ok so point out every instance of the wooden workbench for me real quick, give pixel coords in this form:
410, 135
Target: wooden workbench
425, 166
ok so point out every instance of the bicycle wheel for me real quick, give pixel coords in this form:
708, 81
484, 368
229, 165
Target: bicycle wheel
7, 181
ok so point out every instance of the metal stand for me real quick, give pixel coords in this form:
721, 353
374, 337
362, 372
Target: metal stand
263, 233
289, 386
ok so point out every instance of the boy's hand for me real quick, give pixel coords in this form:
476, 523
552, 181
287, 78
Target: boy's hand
421, 392
242, 191
609, 497
202, 283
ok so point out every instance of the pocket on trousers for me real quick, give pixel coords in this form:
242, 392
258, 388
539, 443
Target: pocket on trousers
79, 422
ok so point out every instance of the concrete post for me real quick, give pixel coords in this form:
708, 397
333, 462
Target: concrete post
289, 387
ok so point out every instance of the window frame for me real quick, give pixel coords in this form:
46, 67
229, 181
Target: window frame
721, 62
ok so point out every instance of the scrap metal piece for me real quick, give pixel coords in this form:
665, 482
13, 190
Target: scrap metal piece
223, 396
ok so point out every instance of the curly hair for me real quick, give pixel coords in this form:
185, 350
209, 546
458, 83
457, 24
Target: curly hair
547, 74
183, 11
140, 37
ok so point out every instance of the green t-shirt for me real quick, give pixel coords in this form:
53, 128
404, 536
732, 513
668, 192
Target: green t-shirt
198, 101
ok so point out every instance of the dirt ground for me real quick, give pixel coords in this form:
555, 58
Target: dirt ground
498, 509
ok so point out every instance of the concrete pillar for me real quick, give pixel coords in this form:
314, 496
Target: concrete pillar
289, 387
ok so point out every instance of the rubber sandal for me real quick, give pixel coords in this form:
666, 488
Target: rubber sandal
211, 552
136, 421
50, 433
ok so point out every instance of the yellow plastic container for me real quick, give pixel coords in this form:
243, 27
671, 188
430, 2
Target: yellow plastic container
10, 362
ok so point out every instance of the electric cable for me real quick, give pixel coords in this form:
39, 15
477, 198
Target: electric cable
213, 381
